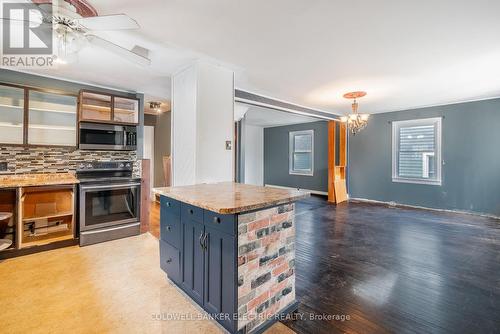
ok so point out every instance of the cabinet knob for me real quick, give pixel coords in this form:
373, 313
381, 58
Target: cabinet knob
169, 260
217, 220
191, 211
169, 228
168, 204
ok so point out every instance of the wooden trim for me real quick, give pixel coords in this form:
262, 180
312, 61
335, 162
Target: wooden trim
112, 108
26, 116
145, 194
107, 122
331, 161
39, 89
343, 145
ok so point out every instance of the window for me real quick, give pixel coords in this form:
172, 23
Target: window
302, 152
416, 151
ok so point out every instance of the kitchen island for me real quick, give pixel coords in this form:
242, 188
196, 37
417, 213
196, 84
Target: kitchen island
231, 248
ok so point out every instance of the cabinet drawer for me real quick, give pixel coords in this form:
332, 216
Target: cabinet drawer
224, 223
170, 261
190, 212
170, 228
170, 205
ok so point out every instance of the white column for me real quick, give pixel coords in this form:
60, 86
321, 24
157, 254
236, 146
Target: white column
202, 122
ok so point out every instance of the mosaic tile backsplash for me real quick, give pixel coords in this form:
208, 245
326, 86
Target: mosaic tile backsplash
56, 159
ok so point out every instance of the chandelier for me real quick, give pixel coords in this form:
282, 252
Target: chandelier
355, 121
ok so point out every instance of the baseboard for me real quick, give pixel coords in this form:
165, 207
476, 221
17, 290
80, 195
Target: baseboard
396, 204
315, 192
293, 307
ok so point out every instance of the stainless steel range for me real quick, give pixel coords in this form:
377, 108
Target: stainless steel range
109, 201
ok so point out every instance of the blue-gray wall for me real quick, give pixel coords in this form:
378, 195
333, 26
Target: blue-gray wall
471, 155
276, 159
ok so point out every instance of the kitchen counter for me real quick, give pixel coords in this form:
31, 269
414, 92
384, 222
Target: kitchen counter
231, 248
231, 198
35, 180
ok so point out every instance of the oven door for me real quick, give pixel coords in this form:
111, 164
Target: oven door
109, 205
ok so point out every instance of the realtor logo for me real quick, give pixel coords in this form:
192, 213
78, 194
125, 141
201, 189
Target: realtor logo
26, 31
27, 35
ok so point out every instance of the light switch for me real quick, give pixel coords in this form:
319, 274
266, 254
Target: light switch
229, 145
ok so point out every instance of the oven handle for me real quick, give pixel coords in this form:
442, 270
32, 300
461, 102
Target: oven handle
110, 229
111, 186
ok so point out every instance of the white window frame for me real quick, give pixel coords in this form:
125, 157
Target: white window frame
291, 151
396, 125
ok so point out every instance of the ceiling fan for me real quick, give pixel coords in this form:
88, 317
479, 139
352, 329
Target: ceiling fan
75, 21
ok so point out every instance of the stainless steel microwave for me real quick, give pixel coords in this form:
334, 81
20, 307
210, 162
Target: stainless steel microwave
96, 136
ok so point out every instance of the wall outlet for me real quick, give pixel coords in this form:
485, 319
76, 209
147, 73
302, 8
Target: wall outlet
3, 166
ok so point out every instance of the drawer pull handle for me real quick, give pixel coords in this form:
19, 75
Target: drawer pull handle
191, 211
217, 220
169, 260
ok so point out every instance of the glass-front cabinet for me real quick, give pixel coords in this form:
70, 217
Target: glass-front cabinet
11, 115
95, 107
52, 119
103, 108
126, 110
34, 117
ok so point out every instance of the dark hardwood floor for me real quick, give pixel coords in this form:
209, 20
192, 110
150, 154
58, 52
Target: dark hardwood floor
393, 270
396, 270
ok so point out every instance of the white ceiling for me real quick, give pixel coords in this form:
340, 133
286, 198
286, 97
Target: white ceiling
405, 54
268, 118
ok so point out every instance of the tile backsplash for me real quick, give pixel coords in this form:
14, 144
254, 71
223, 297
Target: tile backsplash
56, 159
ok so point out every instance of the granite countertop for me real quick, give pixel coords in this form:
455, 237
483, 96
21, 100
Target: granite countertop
230, 198
34, 180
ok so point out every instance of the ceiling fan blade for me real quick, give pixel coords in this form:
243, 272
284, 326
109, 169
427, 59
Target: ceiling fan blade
109, 22
129, 55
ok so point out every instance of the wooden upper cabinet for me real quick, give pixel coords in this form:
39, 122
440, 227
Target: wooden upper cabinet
95, 107
104, 108
51, 119
12, 115
126, 110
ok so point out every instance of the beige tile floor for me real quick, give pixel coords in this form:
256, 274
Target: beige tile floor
114, 287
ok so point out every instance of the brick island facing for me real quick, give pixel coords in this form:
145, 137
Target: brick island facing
231, 248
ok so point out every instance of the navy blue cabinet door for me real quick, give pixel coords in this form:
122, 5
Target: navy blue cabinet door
170, 228
170, 261
192, 259
220, 276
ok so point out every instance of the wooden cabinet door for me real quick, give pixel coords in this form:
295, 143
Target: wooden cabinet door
95, 107
192, 259
220, 276
125, 110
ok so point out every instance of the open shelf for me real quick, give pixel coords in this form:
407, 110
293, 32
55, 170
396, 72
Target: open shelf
108, 108
57, 215
45, 241
8, 225
47, 215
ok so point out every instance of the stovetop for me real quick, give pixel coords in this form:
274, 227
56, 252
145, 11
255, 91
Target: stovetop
107, 171
109, 179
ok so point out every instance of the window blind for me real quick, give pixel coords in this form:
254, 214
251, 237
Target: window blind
417, 147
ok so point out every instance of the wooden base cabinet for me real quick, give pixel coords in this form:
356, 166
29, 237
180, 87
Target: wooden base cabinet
200, 256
